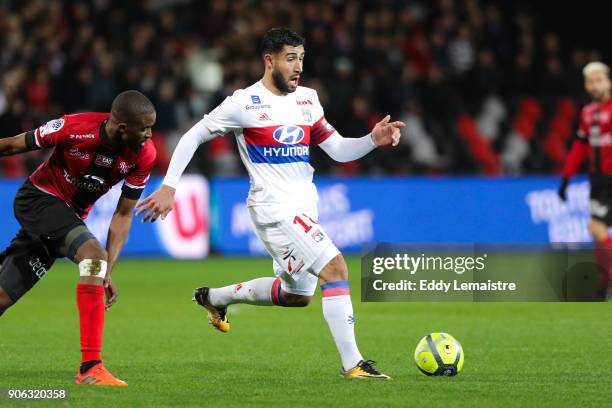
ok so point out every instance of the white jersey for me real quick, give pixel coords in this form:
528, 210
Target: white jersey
274, 135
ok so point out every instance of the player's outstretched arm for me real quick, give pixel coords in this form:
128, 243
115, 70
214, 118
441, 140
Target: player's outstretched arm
343, 149
160, 203
117, 234
13, 145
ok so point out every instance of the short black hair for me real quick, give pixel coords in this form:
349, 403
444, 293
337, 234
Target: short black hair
129, 105
275, 38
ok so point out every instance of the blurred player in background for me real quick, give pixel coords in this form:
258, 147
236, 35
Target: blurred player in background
594, 139
275, 122
92, 152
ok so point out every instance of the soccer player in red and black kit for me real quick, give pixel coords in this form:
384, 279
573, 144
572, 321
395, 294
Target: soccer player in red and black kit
92, 152
594, 139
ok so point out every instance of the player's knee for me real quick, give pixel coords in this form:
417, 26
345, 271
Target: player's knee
92, 271
335, 270
91, 258
90, 249
598, 230
291, 300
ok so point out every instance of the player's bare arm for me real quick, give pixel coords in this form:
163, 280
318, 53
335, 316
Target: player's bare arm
13, 145
117, 234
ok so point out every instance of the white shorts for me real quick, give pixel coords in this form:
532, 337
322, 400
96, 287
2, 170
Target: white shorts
298, 245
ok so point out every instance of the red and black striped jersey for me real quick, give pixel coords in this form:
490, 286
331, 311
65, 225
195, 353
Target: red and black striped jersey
83, 165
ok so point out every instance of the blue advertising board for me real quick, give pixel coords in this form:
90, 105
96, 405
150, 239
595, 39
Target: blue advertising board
184, 233
354, 212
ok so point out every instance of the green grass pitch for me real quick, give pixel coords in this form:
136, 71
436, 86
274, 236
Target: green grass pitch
517, 354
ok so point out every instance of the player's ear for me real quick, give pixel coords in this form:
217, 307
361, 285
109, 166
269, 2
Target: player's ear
267, 57
121, 128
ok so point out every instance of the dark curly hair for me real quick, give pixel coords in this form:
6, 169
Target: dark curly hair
275, 38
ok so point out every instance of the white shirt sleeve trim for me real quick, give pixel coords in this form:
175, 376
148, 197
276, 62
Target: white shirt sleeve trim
36, 136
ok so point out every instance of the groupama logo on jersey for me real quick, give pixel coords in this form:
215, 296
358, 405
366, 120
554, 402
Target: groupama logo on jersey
289, 135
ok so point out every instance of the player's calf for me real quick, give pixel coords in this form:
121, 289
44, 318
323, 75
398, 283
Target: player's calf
335, 270
260, 291
291, 300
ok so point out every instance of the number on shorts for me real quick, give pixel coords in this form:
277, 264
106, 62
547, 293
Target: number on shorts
298, 220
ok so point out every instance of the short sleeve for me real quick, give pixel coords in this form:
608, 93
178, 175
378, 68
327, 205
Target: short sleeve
224, 118
136, 180
321, 129
50, 134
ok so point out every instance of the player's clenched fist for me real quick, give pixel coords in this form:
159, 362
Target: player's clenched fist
387, 133
158, 204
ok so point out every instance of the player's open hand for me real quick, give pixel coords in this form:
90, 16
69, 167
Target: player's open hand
158, 204
111, 293
387, 133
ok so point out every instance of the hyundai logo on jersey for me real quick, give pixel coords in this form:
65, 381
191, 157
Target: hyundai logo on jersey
289, 135
278, 144
255, 99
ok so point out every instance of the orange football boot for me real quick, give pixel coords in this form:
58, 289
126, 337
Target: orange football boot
99, 375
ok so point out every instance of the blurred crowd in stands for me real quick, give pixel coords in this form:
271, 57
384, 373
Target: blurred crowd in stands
484, 89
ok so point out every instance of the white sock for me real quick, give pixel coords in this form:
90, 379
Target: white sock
338, 312
254, 292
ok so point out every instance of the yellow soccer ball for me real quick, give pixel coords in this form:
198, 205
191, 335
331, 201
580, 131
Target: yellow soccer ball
439, 354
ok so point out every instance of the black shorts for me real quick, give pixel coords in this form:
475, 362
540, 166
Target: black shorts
601, 198
49, 230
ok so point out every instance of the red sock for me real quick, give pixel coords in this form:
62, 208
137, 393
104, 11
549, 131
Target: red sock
90, 299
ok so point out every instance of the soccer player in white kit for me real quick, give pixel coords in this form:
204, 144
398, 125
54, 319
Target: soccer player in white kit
276, 122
